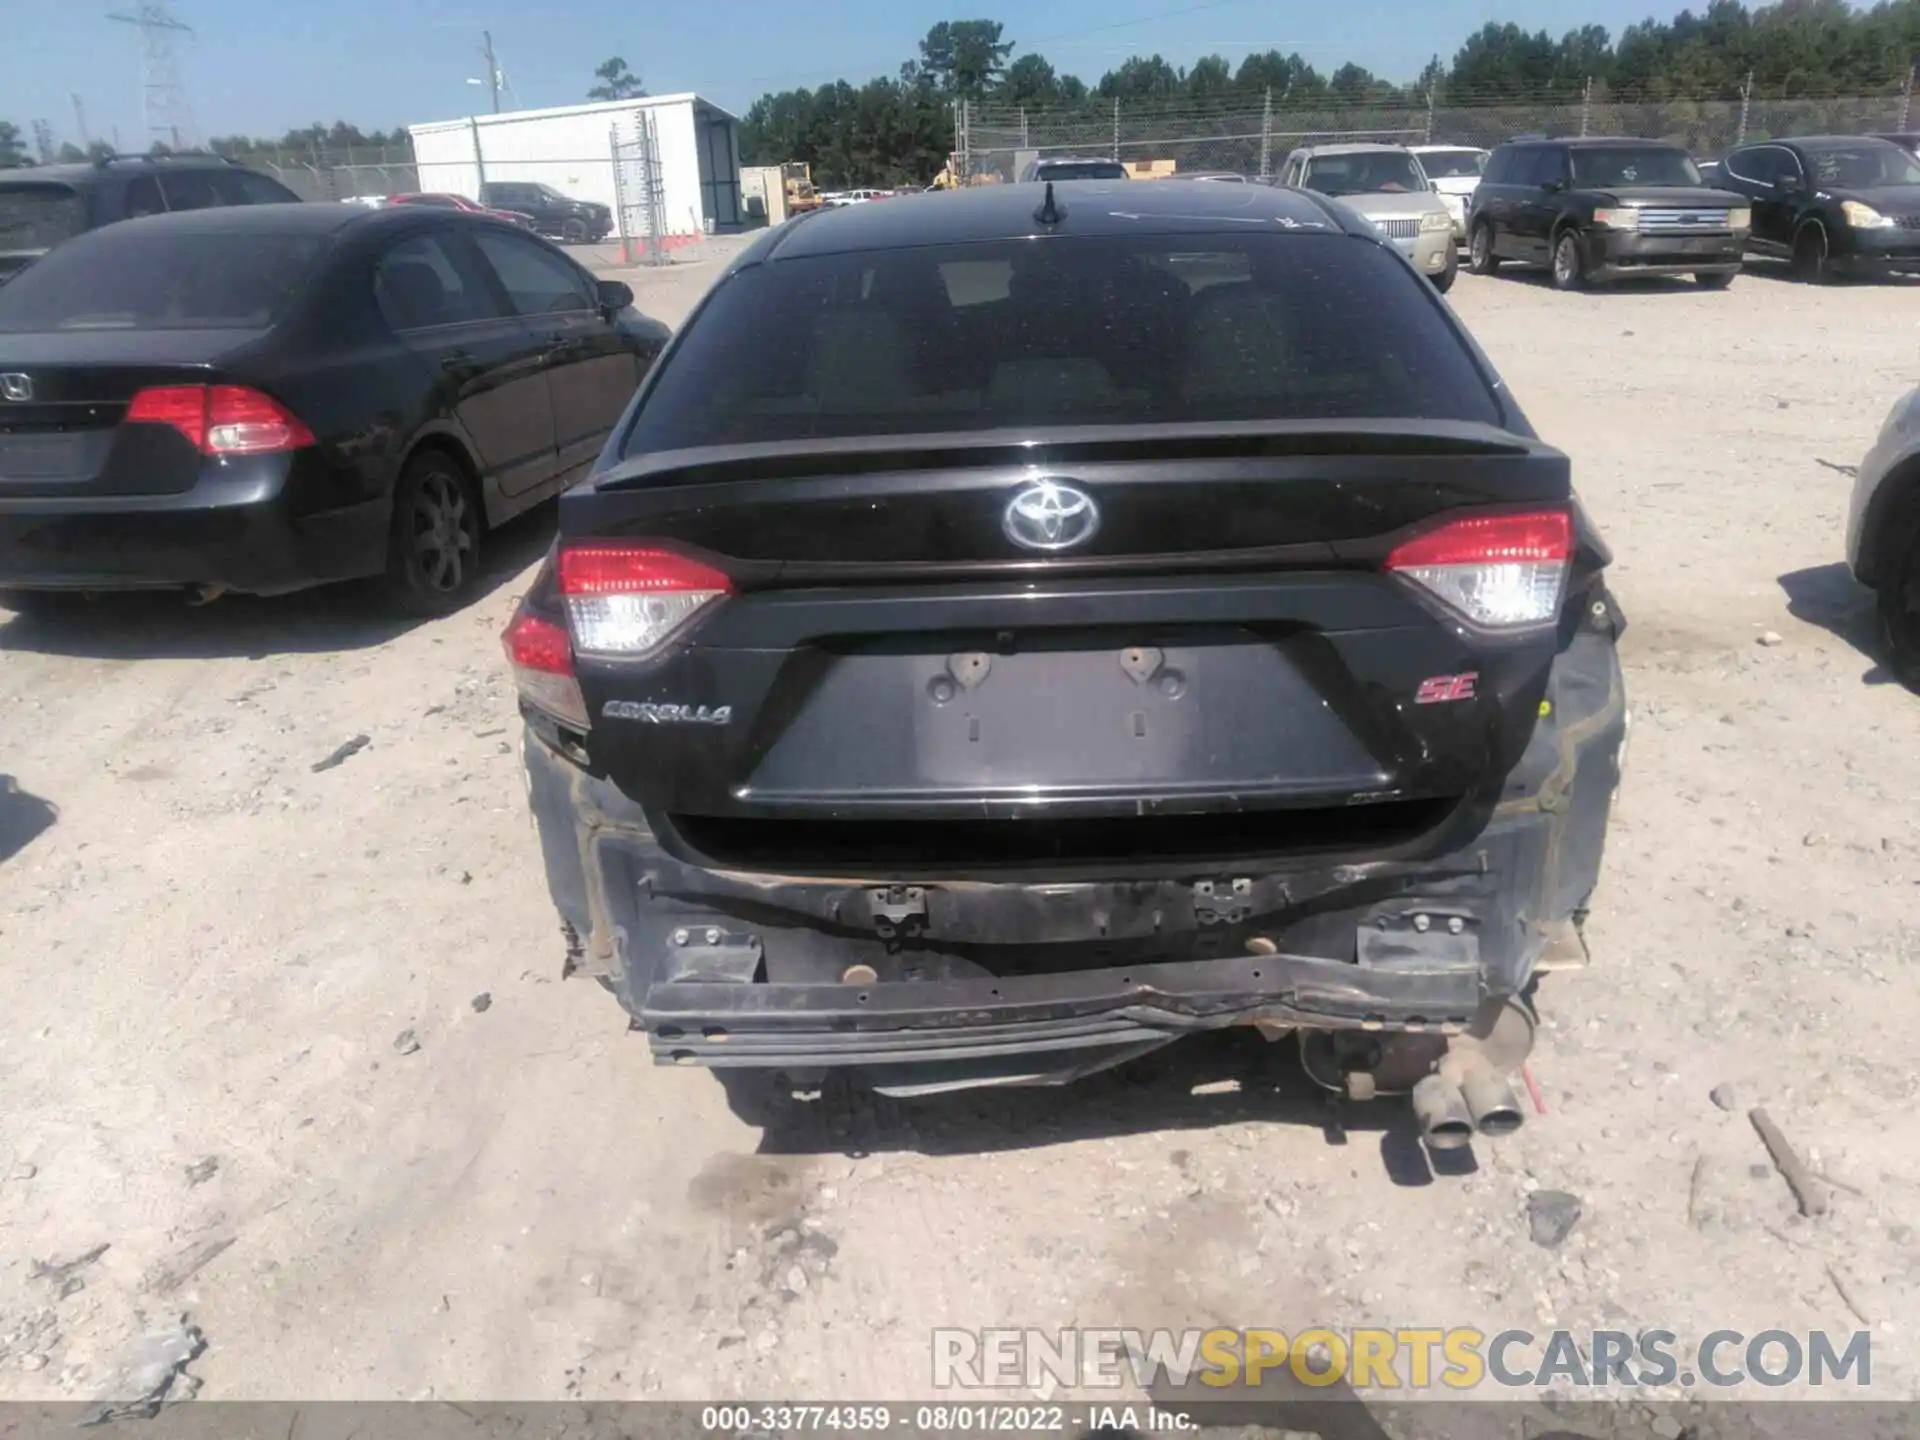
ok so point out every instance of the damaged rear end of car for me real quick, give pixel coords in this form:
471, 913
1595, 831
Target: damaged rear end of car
1056, 688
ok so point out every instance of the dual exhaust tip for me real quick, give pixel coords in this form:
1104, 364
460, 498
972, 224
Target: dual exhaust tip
1451, 1112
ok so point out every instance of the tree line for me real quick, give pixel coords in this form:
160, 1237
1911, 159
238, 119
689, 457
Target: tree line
899, 129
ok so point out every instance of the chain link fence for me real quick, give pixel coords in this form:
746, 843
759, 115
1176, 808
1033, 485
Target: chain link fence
321, 173
994, 143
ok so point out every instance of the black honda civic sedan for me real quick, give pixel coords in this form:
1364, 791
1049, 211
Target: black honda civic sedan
266, 398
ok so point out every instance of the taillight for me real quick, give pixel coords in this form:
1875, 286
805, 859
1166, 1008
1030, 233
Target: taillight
625, 602
221, 419
541, 655
1497, 570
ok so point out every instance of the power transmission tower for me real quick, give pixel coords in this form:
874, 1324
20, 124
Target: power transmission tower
169, 111
80, 119
43, 141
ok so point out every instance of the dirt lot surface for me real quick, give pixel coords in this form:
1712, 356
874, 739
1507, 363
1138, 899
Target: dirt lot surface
287, 1049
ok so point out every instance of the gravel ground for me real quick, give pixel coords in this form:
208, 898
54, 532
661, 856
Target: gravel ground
246, 1067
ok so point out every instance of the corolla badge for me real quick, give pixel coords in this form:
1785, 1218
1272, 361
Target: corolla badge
1047, 515
667, 714
16, 387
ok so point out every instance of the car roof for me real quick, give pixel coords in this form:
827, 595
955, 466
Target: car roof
1588, 142
88, 171
1367, 147
1437, 145
1817, 141
302, 218
1007, 212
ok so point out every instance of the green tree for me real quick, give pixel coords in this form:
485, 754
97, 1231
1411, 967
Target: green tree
616, 82
13, 149
966, 58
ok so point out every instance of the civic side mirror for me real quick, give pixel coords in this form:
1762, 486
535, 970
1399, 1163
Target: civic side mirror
1791, 184
1553, 187
615, 295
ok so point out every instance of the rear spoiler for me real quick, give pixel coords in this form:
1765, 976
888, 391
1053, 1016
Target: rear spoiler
866, 454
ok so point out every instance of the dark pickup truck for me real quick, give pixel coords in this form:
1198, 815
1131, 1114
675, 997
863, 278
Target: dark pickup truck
579, 222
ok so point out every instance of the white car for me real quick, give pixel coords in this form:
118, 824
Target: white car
1883, 535
1455, 171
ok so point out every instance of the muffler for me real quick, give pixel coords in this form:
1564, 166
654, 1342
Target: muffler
1491, 1102
1441, 1108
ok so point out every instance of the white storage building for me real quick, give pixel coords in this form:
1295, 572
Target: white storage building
695, 143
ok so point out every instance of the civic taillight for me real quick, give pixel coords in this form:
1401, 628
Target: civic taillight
541, 655
627, 601
1500, 571
221, 419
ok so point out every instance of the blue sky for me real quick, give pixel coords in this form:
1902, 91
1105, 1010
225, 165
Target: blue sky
260, 68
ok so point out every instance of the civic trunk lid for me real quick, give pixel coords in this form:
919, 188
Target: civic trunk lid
66, 395
1217, 652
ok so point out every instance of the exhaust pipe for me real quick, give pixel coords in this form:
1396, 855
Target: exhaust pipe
1441, 1109
1491, 1102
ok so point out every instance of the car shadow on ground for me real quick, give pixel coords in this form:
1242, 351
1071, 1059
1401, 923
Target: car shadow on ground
1199, 1082
24, 817
1780, 272
1829, 596
155, 625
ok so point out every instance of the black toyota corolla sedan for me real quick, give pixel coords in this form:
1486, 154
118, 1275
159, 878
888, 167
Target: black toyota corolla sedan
275, 396
1011, 630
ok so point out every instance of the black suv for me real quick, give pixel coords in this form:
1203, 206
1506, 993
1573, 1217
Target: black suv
42, 206
1595, 210
1001, 638
1831, 203
554, 214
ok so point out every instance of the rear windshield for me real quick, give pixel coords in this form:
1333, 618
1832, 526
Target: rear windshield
1453, 164
1367, 172
39, 216
1612, 165
1062, 332
136, 277
1080, 170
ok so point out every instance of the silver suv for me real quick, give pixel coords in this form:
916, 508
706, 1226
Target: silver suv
1386, 184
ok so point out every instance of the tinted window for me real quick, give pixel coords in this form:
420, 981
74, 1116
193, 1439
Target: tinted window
205, 189
419, 284
1767, 165
1605, 166
1500, 166
141, 198
1452, 164
39, 217
1081, 170
1366, 172
139, 277
1070, 332
538, 281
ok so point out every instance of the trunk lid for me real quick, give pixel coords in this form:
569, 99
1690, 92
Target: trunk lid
1222, 644
64, 436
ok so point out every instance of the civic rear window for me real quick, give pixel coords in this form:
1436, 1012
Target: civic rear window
132, 277
1062, 332
39, 216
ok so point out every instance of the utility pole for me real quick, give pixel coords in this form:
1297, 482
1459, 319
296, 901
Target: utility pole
1746, 107
1116, 127
169, 114
1906, 98
493, 69
1266, 136
1430, 89
1586, 106
80, 120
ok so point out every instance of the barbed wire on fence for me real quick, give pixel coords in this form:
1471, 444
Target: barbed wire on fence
1253, 137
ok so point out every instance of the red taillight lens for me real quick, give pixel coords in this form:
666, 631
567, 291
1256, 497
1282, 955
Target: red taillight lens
627, 601
221, 419
1498, 570
542, 659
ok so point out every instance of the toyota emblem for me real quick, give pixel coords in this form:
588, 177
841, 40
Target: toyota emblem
16, 387
1049, 516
